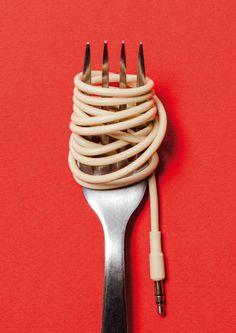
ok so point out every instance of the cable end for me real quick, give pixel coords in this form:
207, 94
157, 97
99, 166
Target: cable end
160, 297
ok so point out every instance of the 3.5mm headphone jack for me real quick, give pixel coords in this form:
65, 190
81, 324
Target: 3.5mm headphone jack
160, 297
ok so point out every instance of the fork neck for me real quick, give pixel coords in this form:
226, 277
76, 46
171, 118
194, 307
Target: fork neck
114, 307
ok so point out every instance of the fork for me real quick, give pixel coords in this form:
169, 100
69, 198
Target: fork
114, 208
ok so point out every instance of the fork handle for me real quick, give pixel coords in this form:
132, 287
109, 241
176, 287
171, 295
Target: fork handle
114, 308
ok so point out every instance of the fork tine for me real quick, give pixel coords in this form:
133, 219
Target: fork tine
122, 66
105, 67
141, 77
86, 76
87, 65
122, 70
122, 84
105, 83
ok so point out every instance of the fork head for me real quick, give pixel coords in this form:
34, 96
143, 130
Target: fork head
115, 206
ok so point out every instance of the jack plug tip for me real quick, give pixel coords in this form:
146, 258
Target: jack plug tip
160, 297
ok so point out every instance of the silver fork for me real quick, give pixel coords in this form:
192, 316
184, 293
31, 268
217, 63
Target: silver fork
114, 208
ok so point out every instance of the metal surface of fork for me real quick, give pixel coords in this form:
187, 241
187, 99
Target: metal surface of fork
114, 208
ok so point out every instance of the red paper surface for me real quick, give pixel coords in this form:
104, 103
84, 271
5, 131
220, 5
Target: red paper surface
51, 243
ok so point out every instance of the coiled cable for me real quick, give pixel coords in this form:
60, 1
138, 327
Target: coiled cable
134, 131
89, 119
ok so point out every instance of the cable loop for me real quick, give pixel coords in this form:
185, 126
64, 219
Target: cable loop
132, 135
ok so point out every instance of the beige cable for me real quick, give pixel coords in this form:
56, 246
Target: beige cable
143, 108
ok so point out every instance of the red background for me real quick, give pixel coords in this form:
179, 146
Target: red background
51, 243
